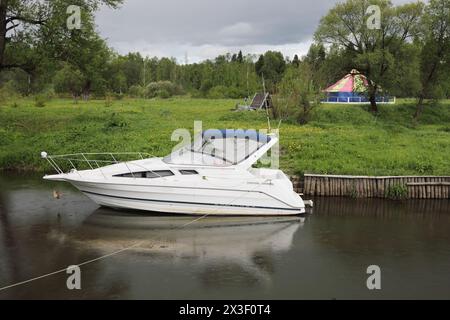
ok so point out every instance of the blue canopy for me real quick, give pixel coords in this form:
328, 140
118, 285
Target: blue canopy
238, 133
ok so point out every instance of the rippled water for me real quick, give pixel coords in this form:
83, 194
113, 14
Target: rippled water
323, 255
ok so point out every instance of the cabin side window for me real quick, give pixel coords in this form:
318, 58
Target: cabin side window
187, 172
146, 174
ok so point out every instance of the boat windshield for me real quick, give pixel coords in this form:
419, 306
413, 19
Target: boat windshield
219, 147
231, 150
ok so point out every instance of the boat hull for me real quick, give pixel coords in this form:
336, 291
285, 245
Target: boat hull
191, 201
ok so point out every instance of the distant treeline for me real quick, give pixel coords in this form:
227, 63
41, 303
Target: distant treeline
226, 76
407, 55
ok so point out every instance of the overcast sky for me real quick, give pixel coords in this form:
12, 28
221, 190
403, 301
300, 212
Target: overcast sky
203, 29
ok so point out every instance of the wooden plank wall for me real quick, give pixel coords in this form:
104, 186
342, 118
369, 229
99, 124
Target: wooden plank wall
417, 187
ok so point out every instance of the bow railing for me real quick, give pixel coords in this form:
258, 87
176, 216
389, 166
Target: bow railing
85, 161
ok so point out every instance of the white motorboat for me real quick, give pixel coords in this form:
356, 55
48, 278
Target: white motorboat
212, 176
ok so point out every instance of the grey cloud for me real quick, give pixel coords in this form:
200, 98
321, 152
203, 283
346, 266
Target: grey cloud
170, 26
199, 22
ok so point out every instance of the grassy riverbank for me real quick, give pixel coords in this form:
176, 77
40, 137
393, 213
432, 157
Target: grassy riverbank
339, 139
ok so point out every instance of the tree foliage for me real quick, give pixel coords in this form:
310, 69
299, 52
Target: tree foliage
435, 53
375, 51
271, 67
69, 79
297, 94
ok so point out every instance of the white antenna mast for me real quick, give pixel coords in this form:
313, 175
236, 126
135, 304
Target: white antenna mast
248, 91
265, 102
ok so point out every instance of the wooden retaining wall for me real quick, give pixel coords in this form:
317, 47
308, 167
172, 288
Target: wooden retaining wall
417, 187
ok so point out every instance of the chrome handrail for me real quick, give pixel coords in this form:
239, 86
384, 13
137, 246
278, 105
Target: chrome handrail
86, 157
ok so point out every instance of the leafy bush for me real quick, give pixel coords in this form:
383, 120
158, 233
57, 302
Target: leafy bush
222, 92
397, 192
118, 96
421, 166
116, 121
235, 93
69, 79
8, 92
49, 92
444, 129
218, 92
162, 89
40, 100
165, 113
136, 91
297, 94
163, 94
108, 100
353, 191
194, 93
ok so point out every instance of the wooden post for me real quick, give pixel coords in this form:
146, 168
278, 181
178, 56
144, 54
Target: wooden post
372, 187
306, 185
360, 188
314, 186
318, 186
366, 187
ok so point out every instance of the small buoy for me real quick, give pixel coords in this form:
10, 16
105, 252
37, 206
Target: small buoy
308, 203
56, 194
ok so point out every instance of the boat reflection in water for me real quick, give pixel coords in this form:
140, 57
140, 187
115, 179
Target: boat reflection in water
220, 247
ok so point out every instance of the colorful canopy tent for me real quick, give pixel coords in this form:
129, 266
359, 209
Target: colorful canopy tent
352, 89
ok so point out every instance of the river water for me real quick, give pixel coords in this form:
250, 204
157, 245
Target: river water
323, 255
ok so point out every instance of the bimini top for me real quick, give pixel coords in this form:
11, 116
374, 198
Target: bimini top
224, 147
239, 134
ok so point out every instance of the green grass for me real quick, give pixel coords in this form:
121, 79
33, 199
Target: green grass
340, 139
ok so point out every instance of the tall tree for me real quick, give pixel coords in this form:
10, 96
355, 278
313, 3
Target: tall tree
21, 21
82, 48
374, 49
69, 79
259, 64
132, 67
296, 61
435, 57
316, 55
240, 58
297, 96
271, 66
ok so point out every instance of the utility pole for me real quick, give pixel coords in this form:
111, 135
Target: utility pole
145, 60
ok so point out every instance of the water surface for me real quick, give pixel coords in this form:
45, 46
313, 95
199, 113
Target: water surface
321, 256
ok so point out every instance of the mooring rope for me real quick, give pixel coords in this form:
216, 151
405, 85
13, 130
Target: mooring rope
65, 269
